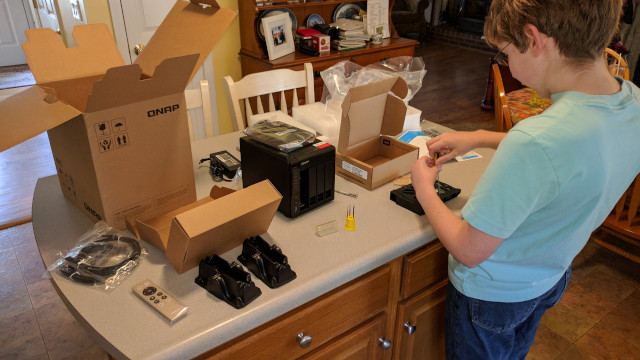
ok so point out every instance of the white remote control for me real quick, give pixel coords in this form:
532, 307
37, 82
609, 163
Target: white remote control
159, 300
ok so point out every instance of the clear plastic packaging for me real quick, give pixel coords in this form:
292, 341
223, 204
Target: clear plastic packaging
103, 257
280, 135
344, 75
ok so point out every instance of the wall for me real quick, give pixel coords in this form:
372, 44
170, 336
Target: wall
225, 56
97, 11
226, 61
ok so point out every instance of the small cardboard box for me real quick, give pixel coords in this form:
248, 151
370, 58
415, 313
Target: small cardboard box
367, 153
209, 226
118, 133
322, 43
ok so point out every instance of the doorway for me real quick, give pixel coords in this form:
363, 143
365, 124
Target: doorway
15, 17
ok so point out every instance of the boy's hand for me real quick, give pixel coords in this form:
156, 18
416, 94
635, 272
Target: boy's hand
423, 172
450, 145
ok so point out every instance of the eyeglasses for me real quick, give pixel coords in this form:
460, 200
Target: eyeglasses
501, 58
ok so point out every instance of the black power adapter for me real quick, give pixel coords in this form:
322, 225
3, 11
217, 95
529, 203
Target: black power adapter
222, 164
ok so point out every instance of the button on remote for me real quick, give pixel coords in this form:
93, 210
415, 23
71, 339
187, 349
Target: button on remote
159, 300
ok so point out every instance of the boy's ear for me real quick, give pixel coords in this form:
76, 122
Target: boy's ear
535, 38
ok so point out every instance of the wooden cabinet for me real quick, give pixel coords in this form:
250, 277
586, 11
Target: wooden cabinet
315, 324
420, 325
253, 55
395, 311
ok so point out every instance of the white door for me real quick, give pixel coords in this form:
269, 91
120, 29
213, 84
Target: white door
14, 20
134, 22
48, 14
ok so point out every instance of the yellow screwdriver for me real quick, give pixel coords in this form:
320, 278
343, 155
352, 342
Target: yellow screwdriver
436, 155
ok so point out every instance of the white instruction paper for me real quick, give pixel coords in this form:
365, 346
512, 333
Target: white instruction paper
378, 15
419, 140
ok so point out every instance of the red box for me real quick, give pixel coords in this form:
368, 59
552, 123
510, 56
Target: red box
322, 43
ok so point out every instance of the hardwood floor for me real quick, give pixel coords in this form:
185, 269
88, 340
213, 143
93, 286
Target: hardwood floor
454, 86
598, 318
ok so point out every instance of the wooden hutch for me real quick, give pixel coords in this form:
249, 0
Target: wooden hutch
253, 56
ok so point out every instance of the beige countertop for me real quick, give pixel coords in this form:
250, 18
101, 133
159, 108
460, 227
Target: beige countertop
128, 329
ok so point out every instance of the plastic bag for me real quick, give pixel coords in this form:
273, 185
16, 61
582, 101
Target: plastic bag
103, 256
344, 75
280, 135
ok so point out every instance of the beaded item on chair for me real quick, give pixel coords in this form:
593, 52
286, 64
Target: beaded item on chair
524, 103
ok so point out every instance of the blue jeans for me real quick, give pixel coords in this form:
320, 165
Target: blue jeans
486, 330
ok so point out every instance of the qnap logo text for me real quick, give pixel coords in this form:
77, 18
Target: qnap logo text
92, 212
160, 111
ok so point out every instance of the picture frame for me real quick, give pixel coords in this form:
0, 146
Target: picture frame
278, 35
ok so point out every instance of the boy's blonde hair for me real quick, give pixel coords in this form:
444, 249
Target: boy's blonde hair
581, 28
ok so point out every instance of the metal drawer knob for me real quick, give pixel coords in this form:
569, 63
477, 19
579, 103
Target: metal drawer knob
384, 343
410, 328
305, 340
138, 49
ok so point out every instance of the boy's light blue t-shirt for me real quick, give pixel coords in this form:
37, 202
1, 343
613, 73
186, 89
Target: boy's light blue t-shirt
552, 181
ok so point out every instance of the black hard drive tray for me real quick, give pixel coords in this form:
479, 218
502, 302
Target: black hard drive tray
406, 196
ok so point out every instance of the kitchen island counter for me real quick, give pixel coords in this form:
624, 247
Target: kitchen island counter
128, 329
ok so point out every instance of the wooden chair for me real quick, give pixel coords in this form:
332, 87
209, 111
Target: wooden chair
623, 223
613, 59
512, 102
408, 17
196, 99
284, 83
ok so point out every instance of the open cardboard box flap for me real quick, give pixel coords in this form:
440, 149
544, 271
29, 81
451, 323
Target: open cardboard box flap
50, 60
209, 226
45, 108
368, 112
187, 29
92, 76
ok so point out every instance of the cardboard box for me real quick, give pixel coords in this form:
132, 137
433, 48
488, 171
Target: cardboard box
210, 226
368, 155
325, 119
118, 133
322, 43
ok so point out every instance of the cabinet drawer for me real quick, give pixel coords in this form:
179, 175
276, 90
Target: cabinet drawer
361, 343
322, 320
423, 267
370, 58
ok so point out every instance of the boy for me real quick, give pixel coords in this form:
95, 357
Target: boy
552, 181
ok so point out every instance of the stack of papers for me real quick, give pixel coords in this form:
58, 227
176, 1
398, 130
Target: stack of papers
353, 35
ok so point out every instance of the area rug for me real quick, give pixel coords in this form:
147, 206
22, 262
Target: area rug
15, 76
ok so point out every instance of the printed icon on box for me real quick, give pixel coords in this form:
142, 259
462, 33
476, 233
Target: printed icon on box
118, 125
67, 182
103, 129
121, 140
105, 144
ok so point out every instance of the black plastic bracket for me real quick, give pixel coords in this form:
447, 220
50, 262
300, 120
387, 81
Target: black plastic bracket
228, 282
266, 262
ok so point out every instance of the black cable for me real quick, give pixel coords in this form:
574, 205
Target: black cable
216, 170
76, 269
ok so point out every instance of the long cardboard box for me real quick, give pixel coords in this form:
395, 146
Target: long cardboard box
119, 133
210, 226
372, 114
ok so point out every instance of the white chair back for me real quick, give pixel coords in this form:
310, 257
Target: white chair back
252, 87
200, 98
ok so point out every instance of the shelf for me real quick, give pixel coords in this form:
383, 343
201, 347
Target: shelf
300, 58
283, 3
